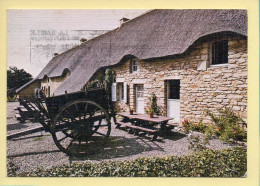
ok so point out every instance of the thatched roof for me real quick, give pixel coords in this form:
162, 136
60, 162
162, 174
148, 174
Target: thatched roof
155, 34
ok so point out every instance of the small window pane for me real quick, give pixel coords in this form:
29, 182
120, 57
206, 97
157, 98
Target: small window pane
140, 91
220, 52
134, 65
174, 89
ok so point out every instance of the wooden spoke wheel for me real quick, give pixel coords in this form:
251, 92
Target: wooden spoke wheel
11, 96
80, 128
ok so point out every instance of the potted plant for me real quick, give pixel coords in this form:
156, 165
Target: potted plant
153, 108
150, 112
131, 110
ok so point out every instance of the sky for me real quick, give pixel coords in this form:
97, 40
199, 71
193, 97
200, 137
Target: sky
33, 36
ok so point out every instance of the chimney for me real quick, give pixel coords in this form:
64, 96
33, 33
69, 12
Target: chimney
123, 20
83, 40
55, 54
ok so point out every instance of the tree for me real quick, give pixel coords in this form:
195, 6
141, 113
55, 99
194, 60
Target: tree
17, 77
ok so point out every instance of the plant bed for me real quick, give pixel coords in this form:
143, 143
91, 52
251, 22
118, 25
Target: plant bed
227, 126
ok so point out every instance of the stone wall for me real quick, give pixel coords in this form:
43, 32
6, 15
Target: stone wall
28, 92
202, 86
53, 83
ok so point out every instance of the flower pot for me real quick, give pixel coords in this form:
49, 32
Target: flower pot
131, 112
151, 115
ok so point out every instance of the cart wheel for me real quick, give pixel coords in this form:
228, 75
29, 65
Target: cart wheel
11, 96
80, 128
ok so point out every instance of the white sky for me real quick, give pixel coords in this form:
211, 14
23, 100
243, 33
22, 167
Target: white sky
22, 49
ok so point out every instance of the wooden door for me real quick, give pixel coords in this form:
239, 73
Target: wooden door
139, 89
173, 99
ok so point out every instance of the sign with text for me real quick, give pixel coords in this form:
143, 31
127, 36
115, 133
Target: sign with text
44, 43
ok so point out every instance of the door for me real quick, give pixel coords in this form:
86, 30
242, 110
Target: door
139, 90
173, 99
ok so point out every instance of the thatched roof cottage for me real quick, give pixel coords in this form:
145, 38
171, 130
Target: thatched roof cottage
192, 60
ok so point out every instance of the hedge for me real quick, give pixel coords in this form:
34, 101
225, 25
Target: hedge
230, 162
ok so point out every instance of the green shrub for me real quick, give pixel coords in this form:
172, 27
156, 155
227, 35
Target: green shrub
229, 125
211, 131
12, 168
187, 126
200, 127
208, 163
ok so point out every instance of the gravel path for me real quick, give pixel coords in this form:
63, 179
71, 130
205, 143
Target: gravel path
38, 150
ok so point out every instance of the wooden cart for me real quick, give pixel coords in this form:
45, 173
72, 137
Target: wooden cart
76, 121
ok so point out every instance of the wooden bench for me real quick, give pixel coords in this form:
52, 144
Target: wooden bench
167, 128
23, 109
18, 116
171, 125
28, 110
137, 129
17, 108
21, 113
121, 124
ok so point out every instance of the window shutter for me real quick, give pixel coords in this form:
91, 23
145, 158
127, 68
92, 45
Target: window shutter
113, 90
125, 92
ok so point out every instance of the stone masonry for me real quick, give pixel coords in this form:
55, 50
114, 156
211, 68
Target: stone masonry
28, 92
202, 86
53, 83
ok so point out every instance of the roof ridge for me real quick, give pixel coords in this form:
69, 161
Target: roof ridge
115, 29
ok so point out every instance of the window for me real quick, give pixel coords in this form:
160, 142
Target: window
219, 52
113, 89
121, 91
49, 91
174, 89
134, 65
139, 91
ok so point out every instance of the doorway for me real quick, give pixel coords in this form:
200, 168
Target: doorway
173, 99
139, 96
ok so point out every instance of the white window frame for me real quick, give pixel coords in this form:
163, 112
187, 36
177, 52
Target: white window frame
211, 51
121, 91
139, 91
113, 92
125, 92
134, 66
